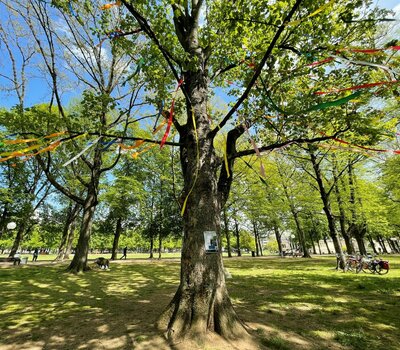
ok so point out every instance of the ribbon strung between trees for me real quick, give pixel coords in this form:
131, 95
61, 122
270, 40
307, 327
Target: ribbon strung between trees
317, 107
357, 87
316, 12
108, 6
171, 115
82, 152
361, 147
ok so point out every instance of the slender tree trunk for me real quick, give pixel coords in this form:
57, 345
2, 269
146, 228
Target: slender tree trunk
256, 242
342, 212
70, 240
372, 243
260, 248
319, 247
159, 245
312, 242
227, 234
68, 230
327, 245
239, 251
151, 246
278, 238
382, 244
117, 235
327, 206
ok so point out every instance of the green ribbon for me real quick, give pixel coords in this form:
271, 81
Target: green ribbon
317, 107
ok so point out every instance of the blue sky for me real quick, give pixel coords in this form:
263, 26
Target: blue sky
38, 91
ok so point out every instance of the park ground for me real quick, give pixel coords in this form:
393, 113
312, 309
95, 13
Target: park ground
287, 304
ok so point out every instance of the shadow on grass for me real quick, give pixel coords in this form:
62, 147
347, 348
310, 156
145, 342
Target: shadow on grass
318, 304
290, 303
46, 308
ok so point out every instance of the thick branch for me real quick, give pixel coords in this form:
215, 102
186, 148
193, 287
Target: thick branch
259, 68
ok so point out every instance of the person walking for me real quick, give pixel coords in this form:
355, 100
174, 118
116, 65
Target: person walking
124, 255
35, 254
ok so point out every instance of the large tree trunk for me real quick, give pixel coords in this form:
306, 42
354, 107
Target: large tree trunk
79, 262
201, 302
117, 235
237, 232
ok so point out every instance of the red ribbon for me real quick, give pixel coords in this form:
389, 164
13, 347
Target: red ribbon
320, 62
171, 116
357, 87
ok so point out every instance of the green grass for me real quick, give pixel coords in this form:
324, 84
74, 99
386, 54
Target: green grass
289, 303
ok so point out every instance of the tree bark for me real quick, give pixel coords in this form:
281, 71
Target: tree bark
117, 235
201, 302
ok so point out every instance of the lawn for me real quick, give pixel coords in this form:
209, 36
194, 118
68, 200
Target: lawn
287, 303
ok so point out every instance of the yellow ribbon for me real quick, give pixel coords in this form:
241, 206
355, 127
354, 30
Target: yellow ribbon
316, 12
197, 164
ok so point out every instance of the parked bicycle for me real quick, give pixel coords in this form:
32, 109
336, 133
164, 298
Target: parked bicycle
373, 265
353, 263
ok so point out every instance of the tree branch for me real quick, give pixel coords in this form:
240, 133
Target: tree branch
259, 68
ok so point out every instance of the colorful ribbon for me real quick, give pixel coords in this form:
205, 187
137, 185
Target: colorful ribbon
197, 164
171, 114
357, 87
316, 12
108, 6
81, 152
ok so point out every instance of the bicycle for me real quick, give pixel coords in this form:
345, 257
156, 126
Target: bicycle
373, 265
352, 263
